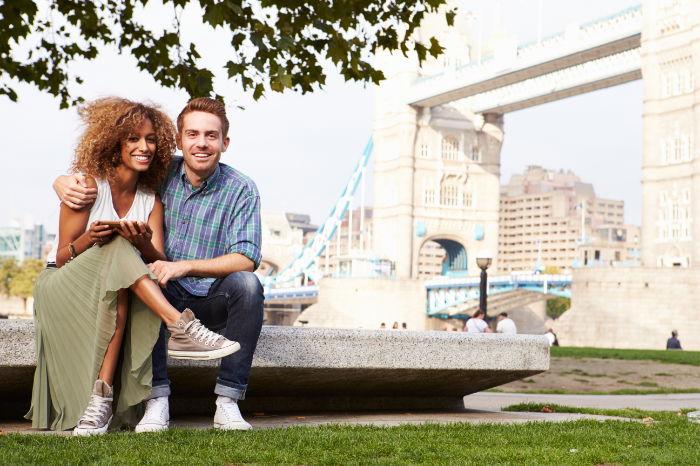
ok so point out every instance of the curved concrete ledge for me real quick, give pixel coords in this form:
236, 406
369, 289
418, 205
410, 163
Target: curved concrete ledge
326, 369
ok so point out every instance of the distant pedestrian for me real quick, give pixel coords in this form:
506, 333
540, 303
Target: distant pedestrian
404, 326
382, 326
395, 326
552, 337
477, 324
673, 343
506, 324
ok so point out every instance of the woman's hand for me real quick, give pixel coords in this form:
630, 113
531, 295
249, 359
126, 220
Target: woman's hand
137, 233
99, 233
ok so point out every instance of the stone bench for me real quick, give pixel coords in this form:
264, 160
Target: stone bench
317, 369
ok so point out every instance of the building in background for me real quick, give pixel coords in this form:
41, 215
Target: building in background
547, 216
611, 245
20, 243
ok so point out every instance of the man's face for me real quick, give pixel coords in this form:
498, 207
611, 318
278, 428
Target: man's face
500, 318
202, 142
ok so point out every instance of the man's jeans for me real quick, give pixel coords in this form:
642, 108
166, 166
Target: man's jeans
234, 308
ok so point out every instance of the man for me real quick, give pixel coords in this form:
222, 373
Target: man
212, 240
506, 324
673, 343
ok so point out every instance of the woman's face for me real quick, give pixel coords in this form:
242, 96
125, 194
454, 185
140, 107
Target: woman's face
139, 148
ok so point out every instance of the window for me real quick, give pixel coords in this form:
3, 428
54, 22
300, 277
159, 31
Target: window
687, 79
424, 150
429, 198
674, 218
467, 199
450, 193
476, 153
676, 149
450, 148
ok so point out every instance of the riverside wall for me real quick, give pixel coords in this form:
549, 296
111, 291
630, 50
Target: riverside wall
614, 307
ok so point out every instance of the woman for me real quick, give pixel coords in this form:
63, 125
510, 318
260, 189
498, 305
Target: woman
477, 324
88, 324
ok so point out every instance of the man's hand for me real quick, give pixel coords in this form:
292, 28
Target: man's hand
74, 192
164, 270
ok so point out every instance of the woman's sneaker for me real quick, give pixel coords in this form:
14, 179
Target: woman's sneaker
189, 339
98, 414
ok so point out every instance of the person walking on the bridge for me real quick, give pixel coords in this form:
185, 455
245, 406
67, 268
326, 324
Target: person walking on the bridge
477, 324
673, 343
506, 324
212, 243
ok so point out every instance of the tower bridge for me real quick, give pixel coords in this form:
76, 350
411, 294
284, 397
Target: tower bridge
438, 131
584, 58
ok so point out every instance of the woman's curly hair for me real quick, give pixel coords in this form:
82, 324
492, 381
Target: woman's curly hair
108, 123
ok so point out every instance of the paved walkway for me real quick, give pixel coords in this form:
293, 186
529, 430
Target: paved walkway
481, 408
492, 401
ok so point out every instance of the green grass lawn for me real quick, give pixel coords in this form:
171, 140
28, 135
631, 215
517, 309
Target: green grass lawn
631, 413
670, 441
675, 357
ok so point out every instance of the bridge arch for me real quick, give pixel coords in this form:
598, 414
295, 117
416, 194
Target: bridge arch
674, 257
442, 256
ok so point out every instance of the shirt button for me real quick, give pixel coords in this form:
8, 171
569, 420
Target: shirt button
184, 221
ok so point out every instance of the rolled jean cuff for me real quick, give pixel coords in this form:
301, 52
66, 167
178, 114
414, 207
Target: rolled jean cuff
158, 391
231, 392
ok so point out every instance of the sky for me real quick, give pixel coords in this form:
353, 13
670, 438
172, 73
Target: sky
301, 149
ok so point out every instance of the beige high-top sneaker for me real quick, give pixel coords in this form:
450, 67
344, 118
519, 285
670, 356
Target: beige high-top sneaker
189, 339
98, 414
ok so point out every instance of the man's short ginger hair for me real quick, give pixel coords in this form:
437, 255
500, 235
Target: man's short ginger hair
207, 105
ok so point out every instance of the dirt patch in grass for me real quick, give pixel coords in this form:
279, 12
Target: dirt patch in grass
607, 375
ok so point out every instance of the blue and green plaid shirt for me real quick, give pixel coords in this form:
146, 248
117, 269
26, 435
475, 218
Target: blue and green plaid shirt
220, 217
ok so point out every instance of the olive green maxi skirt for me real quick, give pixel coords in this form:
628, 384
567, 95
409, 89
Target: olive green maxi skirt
75, 317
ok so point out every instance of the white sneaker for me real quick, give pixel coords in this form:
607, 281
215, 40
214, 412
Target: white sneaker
228, 416
156, 417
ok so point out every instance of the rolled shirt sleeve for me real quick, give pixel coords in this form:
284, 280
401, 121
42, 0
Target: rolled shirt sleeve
245, 229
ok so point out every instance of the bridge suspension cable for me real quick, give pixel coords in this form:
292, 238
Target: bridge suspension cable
305, 262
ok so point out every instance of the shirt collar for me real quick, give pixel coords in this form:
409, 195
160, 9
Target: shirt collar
208, 182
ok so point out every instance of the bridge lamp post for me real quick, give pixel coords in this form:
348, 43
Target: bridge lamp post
483, 260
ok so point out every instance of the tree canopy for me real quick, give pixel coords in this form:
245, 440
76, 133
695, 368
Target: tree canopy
276, 44
22, 283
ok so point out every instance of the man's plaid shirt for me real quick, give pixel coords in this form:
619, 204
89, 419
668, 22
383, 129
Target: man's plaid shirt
220, 217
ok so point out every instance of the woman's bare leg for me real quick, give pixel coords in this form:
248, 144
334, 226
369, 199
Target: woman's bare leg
109, 363
153, 298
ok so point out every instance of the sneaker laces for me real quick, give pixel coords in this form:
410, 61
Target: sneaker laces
202, 334
96, 411
156, 409
231, 410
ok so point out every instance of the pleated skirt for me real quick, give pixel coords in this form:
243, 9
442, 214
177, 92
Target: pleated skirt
75, 318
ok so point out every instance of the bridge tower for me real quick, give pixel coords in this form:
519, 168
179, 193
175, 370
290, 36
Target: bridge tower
436, 169
671, 163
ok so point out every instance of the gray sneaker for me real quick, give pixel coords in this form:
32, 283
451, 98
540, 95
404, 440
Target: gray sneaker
98, 414
189, 339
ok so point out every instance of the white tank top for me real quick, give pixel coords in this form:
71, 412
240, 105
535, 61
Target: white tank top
103, 209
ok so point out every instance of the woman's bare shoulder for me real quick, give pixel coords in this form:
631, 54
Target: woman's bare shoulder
90, 181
